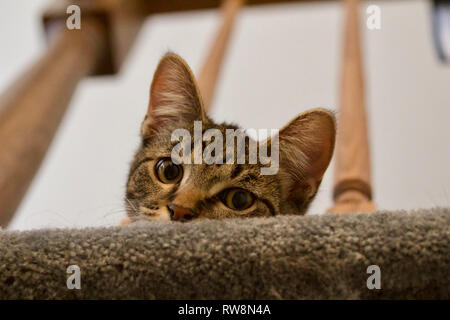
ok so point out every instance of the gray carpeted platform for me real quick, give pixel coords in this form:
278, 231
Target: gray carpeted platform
285, 257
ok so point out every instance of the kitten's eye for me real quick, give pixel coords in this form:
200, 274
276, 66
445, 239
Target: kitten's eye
238, 199
168, 172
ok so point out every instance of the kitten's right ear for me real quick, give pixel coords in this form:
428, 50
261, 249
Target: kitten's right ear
174, 97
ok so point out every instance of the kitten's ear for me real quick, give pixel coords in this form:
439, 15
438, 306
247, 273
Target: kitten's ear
174, 97
306, 148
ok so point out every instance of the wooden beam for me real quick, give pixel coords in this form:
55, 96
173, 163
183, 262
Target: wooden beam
209, 73
122, 20
352, 186
163, 6
32, 108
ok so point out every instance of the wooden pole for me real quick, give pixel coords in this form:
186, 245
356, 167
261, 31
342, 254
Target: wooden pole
32, 108
209, 73
352, 188
163, 6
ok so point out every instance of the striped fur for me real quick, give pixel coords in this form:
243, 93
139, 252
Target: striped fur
306, 147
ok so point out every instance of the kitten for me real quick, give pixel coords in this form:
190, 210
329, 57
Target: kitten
159, 189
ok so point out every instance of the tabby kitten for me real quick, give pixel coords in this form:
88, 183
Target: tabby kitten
158, 189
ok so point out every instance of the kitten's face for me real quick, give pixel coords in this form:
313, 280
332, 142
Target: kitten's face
213, 191
159, 189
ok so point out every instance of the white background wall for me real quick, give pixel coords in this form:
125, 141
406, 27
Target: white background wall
282, 60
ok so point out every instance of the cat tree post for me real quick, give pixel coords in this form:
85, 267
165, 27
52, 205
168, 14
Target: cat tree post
352, 186
209, 73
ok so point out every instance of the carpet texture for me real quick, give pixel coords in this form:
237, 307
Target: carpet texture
284, 257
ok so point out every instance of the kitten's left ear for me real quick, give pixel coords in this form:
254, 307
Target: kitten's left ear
306, 148
174, 97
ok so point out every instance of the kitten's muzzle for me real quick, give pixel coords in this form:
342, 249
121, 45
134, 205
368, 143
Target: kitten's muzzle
178, 213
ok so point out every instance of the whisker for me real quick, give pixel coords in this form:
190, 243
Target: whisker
114, 211
132, 206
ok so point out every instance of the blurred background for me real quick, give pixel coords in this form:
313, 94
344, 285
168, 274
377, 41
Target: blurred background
282, 60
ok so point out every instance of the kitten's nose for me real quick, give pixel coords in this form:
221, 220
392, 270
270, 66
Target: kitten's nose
178, 213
